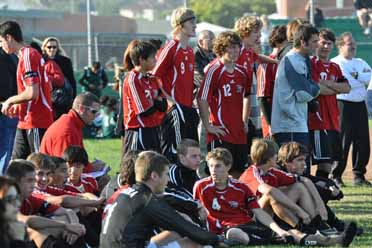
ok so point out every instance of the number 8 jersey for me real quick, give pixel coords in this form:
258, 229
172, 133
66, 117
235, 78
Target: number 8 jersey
224, 93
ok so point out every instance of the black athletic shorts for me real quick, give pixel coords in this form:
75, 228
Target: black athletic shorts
239, 153
27, 141
258, 234
181, 122
326, 146
142, 139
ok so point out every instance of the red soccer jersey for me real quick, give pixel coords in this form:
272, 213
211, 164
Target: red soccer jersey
224, 93
226, 208
253, 177
246, 59
328, 109
58, 191
87, 184
34, 204
139, 91
30, 71
266, 73
175, 68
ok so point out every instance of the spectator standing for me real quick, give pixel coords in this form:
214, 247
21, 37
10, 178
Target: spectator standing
364, 13
175, 68
203, 56
32, 105
353, 110
51, 47
94, 79
8, 88
265, 33
293, 89
318, 14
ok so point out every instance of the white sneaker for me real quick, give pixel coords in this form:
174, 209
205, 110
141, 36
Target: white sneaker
367, 31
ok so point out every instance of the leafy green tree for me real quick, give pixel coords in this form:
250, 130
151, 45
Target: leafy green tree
225, 12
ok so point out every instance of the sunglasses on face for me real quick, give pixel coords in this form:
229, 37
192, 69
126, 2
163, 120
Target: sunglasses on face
52, 47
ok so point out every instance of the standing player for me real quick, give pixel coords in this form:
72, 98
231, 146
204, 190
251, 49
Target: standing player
222, 91
324, 125
32, 105
266, 73
142, 104
249, 30
175, 68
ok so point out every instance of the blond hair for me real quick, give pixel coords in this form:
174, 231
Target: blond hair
179, 16
56, 40
246, 24
262, 150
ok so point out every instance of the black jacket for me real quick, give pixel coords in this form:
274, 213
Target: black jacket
201, 61
136, 213
67, 70
8, 75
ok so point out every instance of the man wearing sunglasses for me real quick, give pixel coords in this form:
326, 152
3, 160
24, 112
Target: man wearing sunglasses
68, 129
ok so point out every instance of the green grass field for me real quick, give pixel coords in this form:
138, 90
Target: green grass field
356, 205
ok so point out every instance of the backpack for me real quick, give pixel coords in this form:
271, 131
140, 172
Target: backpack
63, 97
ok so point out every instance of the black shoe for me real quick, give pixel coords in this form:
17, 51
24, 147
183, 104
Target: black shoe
350, 232
338, 181
359, 231
361, 182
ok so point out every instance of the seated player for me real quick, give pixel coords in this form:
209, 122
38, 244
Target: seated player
76, 159
291, 157
183, 174
44, 169
45, 232
293, 199
136, 212
124, 179
234, 210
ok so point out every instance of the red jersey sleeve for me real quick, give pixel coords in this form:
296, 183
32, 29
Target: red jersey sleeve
41, 206
209, 83
31, 66
252, 178
165, 59
264, 80
134, 91
58, 192
284, 179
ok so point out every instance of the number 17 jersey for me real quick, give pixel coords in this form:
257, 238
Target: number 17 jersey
224, 93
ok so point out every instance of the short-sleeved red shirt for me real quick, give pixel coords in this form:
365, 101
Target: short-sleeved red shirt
224, 93
35, 204
139, 91
87, 184
36, 113
246, 59
175, 68
254, 177
328, 109
226, 208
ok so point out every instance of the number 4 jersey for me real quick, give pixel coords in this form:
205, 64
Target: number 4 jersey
224, 93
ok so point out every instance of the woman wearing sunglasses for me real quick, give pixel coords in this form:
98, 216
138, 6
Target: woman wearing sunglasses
52, 51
